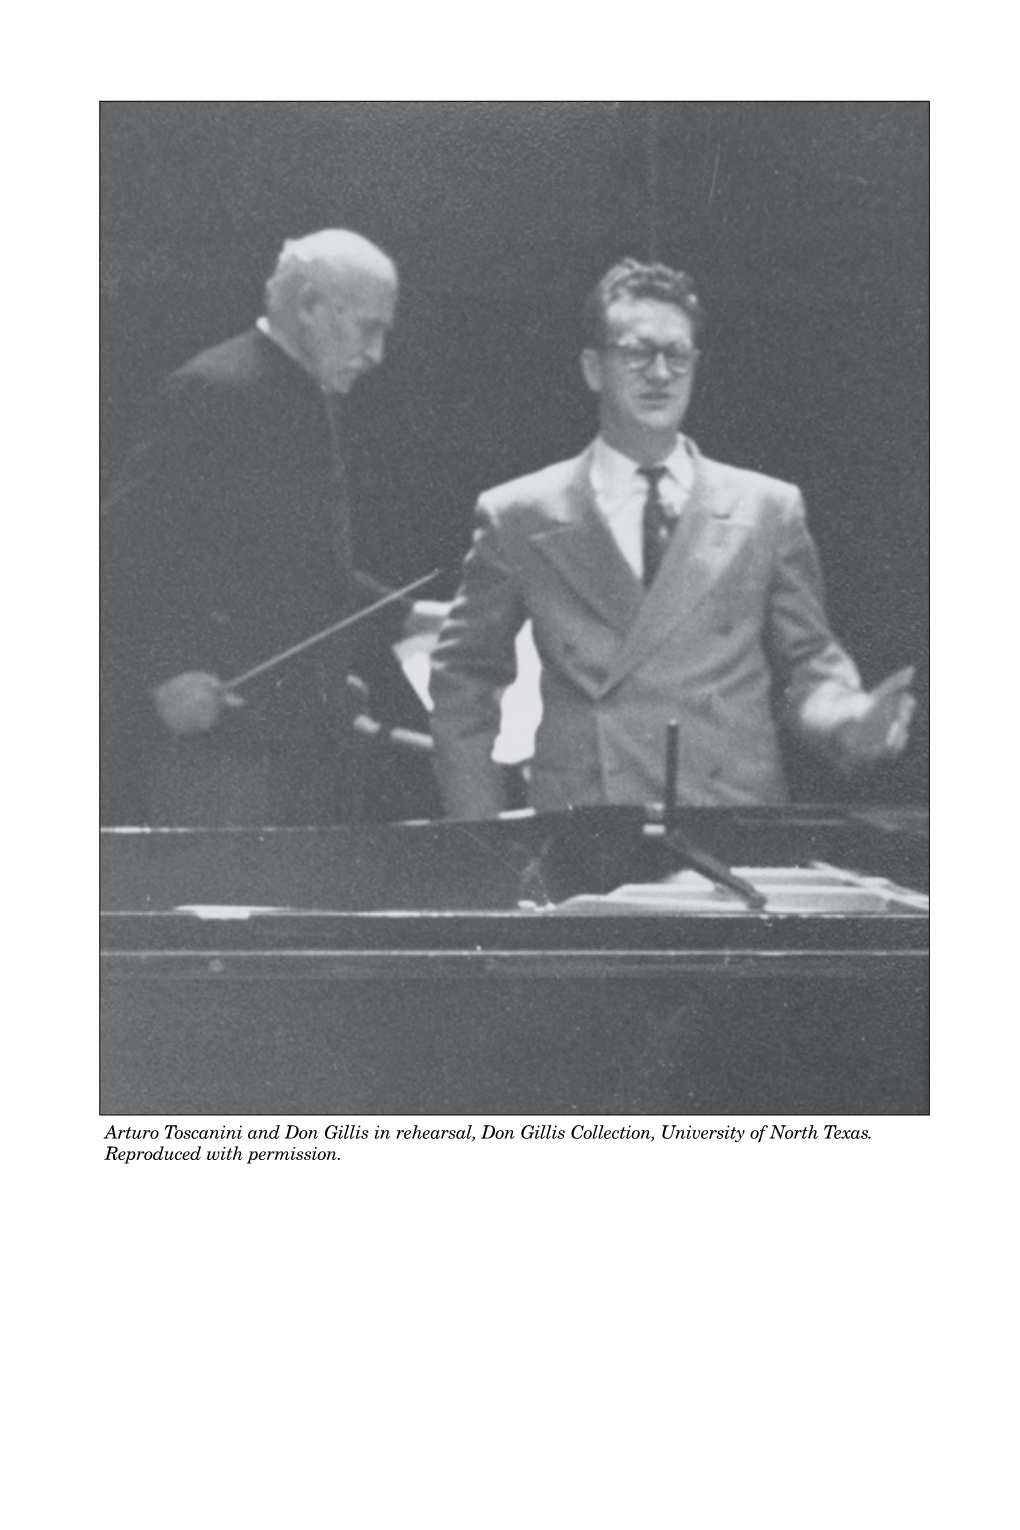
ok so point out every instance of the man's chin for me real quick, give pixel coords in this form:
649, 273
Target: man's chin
662, 415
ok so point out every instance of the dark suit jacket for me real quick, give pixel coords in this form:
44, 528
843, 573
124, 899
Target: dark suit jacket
731, 638
218, 551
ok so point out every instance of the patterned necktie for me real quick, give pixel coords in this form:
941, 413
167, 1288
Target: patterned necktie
657, 526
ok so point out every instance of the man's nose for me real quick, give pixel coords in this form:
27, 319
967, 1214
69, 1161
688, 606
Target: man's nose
375, 349
658, 367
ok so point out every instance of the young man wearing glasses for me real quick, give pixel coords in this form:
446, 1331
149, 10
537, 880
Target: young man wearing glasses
660, 586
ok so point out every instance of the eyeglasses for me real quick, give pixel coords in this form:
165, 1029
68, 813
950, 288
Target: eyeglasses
638, 358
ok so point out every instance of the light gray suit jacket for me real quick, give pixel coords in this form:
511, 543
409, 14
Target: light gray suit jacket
731, 640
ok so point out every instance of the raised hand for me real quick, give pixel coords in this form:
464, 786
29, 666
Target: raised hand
881, 730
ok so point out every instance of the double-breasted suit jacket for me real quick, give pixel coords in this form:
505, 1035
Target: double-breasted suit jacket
731, 641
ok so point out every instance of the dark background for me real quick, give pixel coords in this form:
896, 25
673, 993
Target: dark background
804, 224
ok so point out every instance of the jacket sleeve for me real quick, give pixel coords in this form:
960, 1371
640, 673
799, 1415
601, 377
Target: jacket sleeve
474, 661
154, 528
820, 685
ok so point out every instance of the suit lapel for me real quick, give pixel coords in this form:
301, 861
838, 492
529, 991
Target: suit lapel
699, 550
582, 550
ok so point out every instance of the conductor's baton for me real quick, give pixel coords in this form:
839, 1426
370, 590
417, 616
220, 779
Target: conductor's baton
318, 637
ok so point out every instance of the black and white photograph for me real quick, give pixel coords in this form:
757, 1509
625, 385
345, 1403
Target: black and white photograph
505, 1100
514, 607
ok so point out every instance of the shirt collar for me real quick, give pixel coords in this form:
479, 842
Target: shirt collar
616, 474
264, 327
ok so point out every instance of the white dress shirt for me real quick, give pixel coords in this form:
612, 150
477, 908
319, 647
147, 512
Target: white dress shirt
620, 492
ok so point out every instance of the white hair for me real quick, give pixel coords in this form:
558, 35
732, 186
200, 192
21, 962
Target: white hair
332, 259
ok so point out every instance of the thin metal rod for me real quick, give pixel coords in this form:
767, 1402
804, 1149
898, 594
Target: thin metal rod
715, 871
348, 621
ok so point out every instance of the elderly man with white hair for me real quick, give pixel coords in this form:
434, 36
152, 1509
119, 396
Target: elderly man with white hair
226, 539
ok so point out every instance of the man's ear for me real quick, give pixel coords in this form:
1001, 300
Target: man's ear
310, 300
591, 369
